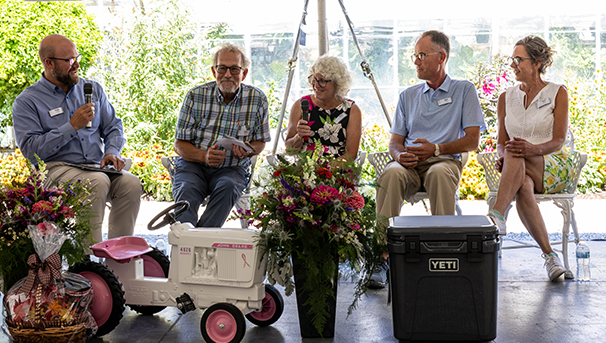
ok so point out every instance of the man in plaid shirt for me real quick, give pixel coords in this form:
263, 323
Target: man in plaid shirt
212, 111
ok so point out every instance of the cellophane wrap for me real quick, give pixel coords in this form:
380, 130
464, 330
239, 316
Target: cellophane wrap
65, 299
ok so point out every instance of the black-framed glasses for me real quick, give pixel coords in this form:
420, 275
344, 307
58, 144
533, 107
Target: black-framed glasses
517, 59
421, 56
221, 69
313, 81
70, 60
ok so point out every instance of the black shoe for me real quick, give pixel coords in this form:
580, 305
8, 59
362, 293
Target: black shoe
380, 278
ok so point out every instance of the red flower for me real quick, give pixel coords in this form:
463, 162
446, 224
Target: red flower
42, 206
325, 172
277, 173
356, 201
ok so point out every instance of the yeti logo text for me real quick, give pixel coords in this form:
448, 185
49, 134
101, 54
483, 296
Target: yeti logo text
443, 264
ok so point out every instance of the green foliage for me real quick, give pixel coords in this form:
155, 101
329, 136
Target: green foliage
587, 116
148, 65
22, 27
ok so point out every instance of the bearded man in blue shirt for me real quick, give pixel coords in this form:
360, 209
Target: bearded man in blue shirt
53, 121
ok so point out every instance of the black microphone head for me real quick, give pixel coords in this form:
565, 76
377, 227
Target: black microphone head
88, 88
304, 105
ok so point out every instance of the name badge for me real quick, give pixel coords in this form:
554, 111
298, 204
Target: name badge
55, 111
341, 117
243, 131
543, 102
444, 101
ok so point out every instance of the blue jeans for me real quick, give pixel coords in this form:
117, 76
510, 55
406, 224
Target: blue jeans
194, 181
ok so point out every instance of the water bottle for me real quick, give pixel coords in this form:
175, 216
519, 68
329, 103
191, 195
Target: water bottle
583, 271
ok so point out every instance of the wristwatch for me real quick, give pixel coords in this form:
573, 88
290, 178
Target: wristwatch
437, 152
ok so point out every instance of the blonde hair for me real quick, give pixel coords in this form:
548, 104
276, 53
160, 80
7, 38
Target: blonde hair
538, 50
333, 69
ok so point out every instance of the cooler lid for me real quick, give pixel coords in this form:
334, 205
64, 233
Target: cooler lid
441, 227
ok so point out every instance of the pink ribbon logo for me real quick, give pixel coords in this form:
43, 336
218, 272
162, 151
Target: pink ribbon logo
245, 263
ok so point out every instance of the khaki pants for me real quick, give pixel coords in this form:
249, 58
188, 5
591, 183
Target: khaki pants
439, 176
122, 191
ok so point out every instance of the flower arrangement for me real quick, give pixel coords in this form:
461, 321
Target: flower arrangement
310, 210
27, 201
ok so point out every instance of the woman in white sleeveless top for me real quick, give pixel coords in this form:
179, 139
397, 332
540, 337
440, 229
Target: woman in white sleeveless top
533, 123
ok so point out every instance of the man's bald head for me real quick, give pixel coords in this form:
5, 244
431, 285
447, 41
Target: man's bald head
53, 43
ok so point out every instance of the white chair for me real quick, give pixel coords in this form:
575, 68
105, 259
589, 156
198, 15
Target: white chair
170, 162
563, 200
379, 161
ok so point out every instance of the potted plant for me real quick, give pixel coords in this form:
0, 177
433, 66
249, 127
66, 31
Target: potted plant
312, 212
26, 198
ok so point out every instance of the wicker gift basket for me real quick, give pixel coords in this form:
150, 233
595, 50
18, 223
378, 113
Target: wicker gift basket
49, 305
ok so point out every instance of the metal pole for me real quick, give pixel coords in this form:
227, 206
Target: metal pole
322, 30
364, 65
292, 63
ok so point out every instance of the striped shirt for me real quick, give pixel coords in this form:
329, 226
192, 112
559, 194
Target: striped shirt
205, 118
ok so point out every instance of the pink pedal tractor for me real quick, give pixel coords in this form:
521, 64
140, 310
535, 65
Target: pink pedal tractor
216, 269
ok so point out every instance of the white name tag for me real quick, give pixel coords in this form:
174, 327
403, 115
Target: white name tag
341, 117
55, 111
444, 101
543, 102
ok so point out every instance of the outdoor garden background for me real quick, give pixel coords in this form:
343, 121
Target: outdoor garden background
148, 54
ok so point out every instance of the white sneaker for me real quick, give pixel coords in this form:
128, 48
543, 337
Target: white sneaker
554, 266
500, 223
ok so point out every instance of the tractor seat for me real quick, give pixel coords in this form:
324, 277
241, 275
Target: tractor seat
121, 249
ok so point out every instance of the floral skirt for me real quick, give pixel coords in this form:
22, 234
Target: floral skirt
559, 171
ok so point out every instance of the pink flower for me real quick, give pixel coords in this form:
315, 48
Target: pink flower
45, 228
355, 226
489, 87
323, 194
356, 201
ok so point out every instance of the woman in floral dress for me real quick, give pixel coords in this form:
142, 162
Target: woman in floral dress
333, 119
533, 123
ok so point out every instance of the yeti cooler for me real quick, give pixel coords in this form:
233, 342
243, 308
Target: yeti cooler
443, 277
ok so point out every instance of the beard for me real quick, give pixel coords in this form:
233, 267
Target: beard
228, 86
66, 79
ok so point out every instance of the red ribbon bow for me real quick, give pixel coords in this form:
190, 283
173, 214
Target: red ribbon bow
46, 271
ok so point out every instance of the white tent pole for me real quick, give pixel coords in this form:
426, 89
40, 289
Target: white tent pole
322, 30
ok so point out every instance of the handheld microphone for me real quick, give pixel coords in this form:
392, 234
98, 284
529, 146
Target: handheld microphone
305, 114
88, 98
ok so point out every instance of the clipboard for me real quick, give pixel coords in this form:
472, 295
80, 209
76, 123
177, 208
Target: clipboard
108, 169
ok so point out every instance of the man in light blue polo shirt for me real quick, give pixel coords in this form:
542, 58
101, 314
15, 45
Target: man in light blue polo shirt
434, 123
53, 121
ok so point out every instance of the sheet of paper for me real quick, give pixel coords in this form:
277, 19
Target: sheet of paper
227, 141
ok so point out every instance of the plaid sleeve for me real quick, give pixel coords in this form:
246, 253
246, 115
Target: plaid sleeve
186, 122
261, 130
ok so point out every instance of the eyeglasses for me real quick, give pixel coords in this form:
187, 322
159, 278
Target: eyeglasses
221, 69
314, 81
517, 60
421, 56
70, 60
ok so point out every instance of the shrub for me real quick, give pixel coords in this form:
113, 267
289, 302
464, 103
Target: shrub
22, 27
